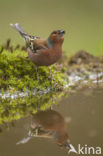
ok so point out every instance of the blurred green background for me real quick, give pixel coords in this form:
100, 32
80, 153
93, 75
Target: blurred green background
82, 20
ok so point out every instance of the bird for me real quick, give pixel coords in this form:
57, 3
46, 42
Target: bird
43, 52
49, 124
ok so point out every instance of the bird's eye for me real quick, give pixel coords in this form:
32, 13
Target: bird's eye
54, 32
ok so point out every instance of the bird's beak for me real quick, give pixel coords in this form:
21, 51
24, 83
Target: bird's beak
62, 32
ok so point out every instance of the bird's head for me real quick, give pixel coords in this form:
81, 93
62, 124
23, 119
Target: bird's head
57, 36
62, 138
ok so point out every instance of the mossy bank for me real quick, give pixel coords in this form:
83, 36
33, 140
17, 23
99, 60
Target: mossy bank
18, 73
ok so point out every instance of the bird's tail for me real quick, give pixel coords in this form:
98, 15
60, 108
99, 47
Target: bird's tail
20, 30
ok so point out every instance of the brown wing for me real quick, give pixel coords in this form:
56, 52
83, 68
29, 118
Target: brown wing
38, 44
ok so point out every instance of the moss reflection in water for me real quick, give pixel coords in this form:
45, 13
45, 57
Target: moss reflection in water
17, 108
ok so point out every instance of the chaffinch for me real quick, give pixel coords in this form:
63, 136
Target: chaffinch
40, 51
49, 124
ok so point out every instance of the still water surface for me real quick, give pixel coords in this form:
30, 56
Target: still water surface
83, 113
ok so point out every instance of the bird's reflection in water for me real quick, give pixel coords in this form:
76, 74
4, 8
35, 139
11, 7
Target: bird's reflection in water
48, 124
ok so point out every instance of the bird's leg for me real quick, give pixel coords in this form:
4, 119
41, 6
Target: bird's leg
37, 75
51, 76
36, 71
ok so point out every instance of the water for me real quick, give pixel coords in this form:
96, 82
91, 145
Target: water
83, 113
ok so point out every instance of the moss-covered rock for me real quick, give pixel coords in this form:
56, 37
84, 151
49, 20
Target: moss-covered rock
18, 73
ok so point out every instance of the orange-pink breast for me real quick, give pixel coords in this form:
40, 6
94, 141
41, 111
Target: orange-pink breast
45, 57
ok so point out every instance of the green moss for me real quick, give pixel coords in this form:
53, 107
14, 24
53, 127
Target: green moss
17, 73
